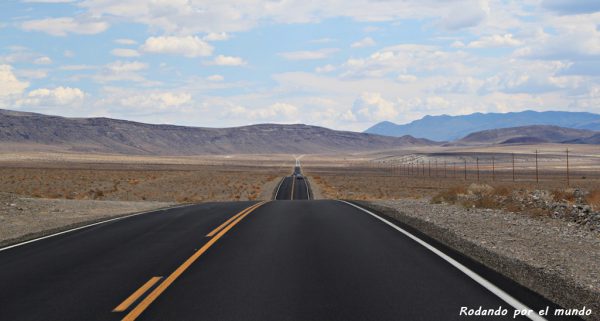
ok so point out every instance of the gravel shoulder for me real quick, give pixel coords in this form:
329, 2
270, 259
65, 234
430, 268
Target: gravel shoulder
23, 218
557, 259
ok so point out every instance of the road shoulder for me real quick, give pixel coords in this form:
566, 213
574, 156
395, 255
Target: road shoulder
24, 218
552, 258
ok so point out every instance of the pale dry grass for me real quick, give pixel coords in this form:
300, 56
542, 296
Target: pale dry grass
139, 182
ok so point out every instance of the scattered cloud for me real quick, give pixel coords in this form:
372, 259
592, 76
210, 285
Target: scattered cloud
160, 100
492, 41
365, 42
121, 71
126, 41
9, 83
43, 61
32, 73
123, 52
222, 60
65, 25
216, 36
373, 107
280, 111
309, 54
189, 46
325, 69
215, 78
59, 96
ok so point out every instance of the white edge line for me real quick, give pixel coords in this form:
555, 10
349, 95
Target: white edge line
278, 187
476, 277
89, 225
305, 181
307, 192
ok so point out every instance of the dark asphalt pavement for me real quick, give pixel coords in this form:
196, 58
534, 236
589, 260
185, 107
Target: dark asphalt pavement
283, 260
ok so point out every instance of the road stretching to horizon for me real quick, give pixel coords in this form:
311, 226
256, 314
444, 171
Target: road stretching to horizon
294, 259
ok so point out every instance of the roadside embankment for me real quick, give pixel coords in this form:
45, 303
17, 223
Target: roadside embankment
24, 218
555, 258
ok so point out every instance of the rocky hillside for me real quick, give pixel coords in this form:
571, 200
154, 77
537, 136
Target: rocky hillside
41, 132
527, 135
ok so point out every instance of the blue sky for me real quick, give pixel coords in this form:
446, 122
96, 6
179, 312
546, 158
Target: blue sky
341, 64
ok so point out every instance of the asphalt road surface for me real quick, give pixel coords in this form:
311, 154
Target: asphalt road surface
278, 260
293, 187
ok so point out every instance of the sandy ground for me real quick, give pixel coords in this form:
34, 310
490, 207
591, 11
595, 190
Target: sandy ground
24, 217
162, 183
45, 192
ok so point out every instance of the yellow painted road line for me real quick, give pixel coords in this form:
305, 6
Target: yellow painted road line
293, 181
215, 231
137, 294
137, 311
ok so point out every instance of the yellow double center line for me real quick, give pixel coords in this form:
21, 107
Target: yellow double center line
219, 231
293, 182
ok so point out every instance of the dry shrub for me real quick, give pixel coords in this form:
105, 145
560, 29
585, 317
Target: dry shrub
564, 195
450, 195
502, 191
487, 201
593, 199
480, 189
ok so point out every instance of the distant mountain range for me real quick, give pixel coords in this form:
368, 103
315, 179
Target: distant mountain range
450, 128
30, 131
535, 134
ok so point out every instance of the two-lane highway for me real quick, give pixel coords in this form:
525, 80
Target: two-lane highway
277, 260
293, 187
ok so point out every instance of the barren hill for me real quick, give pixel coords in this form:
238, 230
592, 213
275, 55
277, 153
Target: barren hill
526, 135
20, 130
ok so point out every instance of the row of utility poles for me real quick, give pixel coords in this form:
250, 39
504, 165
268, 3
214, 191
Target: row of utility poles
419, 168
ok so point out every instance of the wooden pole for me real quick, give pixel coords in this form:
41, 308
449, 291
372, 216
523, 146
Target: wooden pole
430, 168
493, 169
513, 166
477, 162
568, 179
537, 177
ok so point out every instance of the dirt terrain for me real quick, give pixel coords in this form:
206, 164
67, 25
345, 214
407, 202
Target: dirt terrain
45, 192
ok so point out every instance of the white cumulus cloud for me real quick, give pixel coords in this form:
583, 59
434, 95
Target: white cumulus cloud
43, 61
222, 60
124, 52
373, 107
309, 54
9, 83
65, 25
159, 100
59, 96
365, 42
216, 36
215, 78
189, 46
505, 40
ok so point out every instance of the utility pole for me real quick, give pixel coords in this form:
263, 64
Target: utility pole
453, 170
477, 162
513, 166
445, 173
465, 169
430, 168
537, 177
493, 169
568, 179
